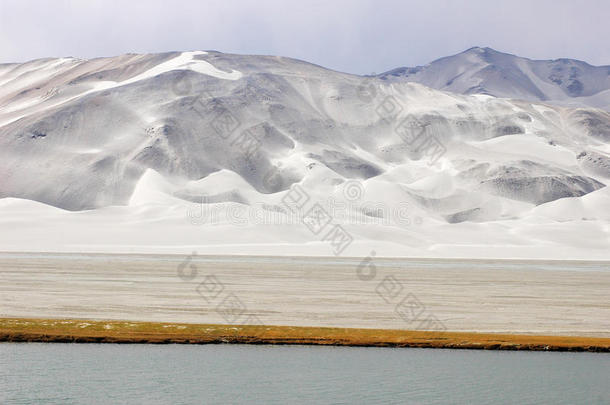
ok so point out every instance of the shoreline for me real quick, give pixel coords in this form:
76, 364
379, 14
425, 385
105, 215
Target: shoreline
132, 332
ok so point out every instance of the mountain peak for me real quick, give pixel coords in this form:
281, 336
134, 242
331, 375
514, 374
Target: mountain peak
480, 49
483, 70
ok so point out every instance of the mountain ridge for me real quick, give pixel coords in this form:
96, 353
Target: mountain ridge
158, 138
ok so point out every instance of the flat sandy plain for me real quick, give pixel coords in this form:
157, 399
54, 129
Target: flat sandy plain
485, 296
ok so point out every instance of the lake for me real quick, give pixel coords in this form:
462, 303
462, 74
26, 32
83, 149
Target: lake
33, 373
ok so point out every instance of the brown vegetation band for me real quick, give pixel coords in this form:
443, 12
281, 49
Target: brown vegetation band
88, 331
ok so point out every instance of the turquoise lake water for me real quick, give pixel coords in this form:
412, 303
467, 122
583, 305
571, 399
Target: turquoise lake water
35, 373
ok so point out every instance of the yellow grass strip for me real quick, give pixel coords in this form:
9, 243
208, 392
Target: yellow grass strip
88, 331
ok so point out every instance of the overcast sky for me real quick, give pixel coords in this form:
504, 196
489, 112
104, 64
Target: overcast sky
357, 36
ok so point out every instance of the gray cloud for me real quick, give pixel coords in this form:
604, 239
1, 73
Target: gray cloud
358, 36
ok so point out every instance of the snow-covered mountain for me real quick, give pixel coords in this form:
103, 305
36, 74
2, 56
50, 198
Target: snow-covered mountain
199, 150
477, 70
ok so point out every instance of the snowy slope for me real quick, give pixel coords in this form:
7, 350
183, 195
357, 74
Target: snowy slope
199, 150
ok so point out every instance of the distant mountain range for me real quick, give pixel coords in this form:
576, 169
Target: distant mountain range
486, 71
477, 152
